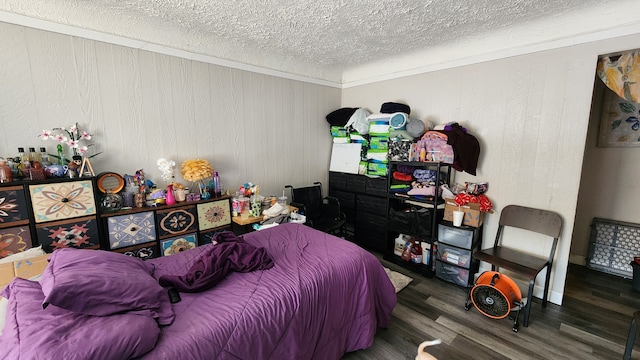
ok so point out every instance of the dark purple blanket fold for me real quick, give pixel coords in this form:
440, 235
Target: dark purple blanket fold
230, 254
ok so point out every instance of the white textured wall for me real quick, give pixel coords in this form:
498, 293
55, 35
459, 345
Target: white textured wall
142, 106
530, 114
609, 187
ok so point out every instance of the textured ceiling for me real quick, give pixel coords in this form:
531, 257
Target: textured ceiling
322, 38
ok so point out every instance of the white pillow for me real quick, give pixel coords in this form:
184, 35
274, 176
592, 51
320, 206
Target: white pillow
3, 312
33, 252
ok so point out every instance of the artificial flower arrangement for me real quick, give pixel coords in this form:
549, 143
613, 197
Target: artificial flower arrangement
75, 139
166, 167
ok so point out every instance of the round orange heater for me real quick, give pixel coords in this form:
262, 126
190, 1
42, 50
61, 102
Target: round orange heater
495, 294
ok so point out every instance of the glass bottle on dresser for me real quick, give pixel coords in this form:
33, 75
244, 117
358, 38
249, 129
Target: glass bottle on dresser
6, 175
44, 162
217, 188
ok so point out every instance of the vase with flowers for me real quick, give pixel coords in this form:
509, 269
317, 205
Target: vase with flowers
76, 140
167, 166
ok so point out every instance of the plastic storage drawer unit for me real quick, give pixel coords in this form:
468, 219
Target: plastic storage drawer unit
456, 274
462, 237
454, 255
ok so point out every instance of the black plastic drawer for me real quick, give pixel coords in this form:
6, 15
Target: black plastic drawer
350, 213
356, 183
337, 180
371, 204
371, 231
347, 199
376, 186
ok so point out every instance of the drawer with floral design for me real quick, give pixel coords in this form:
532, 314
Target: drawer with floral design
81, 233
143, 252
131, 229
178, 244
175, 221
13, 206
62, 200
214, 214
14, 240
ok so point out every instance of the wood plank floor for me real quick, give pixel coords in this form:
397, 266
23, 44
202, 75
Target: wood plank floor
592, 323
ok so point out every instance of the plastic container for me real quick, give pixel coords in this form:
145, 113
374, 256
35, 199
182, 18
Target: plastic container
426, 252
282, 200
400, 243
416, 252
235, 205
244, 205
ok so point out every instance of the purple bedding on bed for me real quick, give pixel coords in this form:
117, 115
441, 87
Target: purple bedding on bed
213, 264
32, 332
324, 296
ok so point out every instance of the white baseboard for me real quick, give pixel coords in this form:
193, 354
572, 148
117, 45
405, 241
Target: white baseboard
577, 259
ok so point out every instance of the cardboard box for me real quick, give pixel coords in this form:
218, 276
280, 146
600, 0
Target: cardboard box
472, 214
6, 274
25, 268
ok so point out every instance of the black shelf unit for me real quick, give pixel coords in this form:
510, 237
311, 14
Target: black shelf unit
421, 222
363, 199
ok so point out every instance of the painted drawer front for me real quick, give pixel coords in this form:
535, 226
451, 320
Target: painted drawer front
178, 244
13, 206
207, 237
64, 200
131, 229
172, 222
77, 233
214, 214
14, 240
144, 252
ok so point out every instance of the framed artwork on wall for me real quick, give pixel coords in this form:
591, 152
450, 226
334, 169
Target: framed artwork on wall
619, 123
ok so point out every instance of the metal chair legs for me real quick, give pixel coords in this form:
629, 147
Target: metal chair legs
631, 337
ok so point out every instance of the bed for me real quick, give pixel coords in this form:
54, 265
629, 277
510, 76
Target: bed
320, 297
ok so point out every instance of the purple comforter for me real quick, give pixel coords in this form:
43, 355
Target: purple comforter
323, 297
231, 254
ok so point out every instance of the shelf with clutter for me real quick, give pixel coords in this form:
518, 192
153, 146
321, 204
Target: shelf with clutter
417, 161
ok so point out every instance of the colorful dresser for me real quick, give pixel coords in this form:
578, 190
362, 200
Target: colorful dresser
15, 231
66, 213
164, 230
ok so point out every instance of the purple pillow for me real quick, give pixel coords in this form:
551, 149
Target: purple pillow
102, 283
54, 333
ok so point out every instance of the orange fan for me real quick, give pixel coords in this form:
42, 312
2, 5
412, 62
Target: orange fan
496, 295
